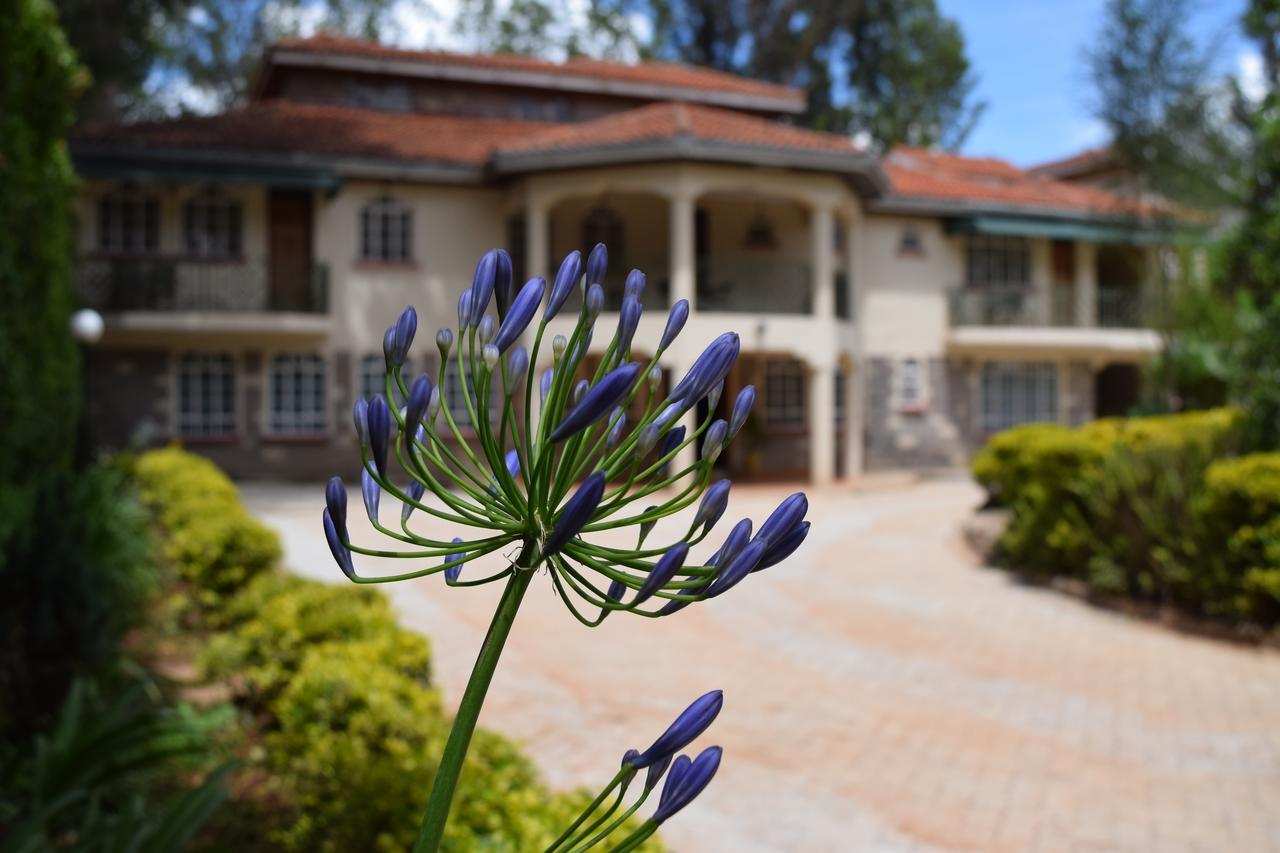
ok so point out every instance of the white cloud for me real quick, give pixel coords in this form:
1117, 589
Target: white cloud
1253, 78
1088, 133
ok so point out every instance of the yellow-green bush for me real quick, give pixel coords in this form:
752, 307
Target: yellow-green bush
210, 539
1241, 511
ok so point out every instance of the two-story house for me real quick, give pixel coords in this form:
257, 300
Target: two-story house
892, 312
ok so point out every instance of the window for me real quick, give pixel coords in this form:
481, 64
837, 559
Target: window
373, 377
1017, 393
784, 397
211, 225
910, 383
602, 225
206, 395
128, 221
910, 242
386, 231
841, 381
297, 395
998, 261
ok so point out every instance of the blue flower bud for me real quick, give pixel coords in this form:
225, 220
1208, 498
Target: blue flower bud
485, 330
444, 343
335, 500
679, 769
502, 290
646, 527
599, 400
667, 415
379, 431
713, 396
544, 384
617, 589
783, 547
337, 546
517, 364
709, 368
692, 722
482, 284
512, 461
360, 416
647, 439
689, 785
558, 345
628, 320
663, 571
521, 313
597, 264
566, 278
451, 573
576, 513
656, 770
371, 492
737, 539
781, 521
675, 322
635, 284
419, 398
595, 302
389, 346
617, 423
713, 442
490, 356
415, 491
713, 505
672, 440
405, 328
741, 408
464, 311
579, 389
739, 567
433, 406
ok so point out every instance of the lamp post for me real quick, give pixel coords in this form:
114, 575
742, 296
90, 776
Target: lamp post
86, 328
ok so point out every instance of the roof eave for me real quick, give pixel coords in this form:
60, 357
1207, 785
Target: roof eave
561, 81
933, 206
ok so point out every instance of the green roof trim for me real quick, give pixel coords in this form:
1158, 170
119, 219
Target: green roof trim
1066, 229
160, 171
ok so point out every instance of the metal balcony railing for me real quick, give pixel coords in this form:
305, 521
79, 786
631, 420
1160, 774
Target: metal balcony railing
198, 284
1011, 305
1121, 307
755, 285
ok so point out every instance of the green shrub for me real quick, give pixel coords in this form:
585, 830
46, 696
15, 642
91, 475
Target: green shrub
211, 540
1241, 512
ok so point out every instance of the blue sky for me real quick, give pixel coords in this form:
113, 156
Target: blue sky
1028, 55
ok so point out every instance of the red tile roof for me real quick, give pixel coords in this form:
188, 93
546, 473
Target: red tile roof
1083, 161
919, 174
644, 73
679, 121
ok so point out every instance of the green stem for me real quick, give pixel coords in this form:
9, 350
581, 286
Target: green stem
464, 724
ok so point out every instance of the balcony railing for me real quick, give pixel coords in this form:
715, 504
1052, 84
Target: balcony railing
1121, 308
196, 284
1011, 305
754, 285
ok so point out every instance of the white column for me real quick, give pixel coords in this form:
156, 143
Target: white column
822, 424
535, 238
853, 259
853, 414
1086, 284
822, 228
683, 282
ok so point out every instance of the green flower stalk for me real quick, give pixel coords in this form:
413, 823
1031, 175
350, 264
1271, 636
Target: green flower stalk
539, 473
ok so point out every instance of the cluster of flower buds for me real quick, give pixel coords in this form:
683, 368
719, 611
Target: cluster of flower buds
548, 459
685, 779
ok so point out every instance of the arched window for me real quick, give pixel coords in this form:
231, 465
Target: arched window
386, 231
211, 225
128, 221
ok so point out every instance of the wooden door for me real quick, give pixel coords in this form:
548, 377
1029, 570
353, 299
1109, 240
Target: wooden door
289, 245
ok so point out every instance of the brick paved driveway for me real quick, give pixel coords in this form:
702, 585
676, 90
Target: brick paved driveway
883, 692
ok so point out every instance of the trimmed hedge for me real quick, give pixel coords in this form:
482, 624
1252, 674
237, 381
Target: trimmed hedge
1149, 508
350, 728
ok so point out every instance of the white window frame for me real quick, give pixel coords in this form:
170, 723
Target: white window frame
128, 222
298, 368
786, 393
386, 231
213, 225
1018, 392
210, 377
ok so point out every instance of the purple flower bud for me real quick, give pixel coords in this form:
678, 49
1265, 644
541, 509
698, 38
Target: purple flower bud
689, 785
419, 397
379, 431
692, 722
656, 770
713, 442
628, 320
521, 313
675, 322
405, 328
566, 278
415, 491
788, 514
338, 547
713, 505
679, 769
617, 589
739, 567
576, 513
371, 492
628, 755
512, 461
597, 264
713, 396
464, 311
482, 284
709, 368
617, 423
517, 364
360, 416
544, 384
486, 329
663, 571
335, 500
444, 343
595, 302
672, 440
635, 284
451, 573
737, 539
502, 283
741, 408
389, 346
646, 527
599, 400
667, 415
647, 439
783, 547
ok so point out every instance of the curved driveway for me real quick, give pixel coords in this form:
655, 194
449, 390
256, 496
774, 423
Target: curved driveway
882, 692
